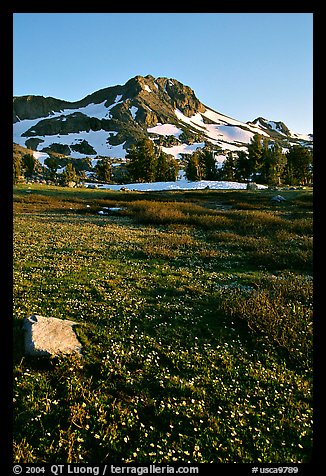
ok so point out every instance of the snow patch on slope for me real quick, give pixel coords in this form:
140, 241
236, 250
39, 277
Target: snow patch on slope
225, 133
40, 156
133, 111
304, 137
221, 119
99, 111
96, 139
177, 150
165, 130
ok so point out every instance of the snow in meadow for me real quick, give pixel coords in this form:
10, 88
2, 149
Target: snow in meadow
181, 184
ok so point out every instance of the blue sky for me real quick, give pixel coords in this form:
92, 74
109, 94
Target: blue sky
243, 65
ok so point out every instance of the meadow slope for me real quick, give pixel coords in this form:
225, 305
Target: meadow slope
195, 313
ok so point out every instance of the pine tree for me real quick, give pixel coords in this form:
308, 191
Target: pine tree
69, 175
148, 163
299, 166
255, 154
142, 161
265, 162
193, 168
201, 165
228, 171
52, 165
17, 168
207, 157
103, 170
29, 164
162, 167
274, 164
242, 166
173, 170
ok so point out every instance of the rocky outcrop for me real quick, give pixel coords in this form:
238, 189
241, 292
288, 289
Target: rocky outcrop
75, 122
278, 199
273, 127
83, 147
183, 98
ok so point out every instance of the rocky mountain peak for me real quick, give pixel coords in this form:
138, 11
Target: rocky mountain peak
277, 126
108, 121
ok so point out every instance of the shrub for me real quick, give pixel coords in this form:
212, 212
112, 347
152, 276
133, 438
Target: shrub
279, 307
255, 222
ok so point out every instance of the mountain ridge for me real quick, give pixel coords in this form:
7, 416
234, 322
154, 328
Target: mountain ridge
108, 121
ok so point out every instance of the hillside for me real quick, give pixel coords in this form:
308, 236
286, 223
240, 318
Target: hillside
20, 151
108, 121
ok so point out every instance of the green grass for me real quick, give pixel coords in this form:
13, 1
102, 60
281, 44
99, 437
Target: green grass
195, 312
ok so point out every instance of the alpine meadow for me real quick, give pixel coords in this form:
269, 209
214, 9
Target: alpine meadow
194, 310
177, 242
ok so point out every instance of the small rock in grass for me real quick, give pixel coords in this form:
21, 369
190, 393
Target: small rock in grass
278, 198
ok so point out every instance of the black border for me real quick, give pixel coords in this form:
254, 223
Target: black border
6, 91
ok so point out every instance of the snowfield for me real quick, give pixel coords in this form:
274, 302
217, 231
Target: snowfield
227, 133
181, 184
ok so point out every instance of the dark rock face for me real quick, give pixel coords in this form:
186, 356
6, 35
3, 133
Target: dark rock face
33, 142
279, 126
58, 148
183, 98
83, 148
75, 122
